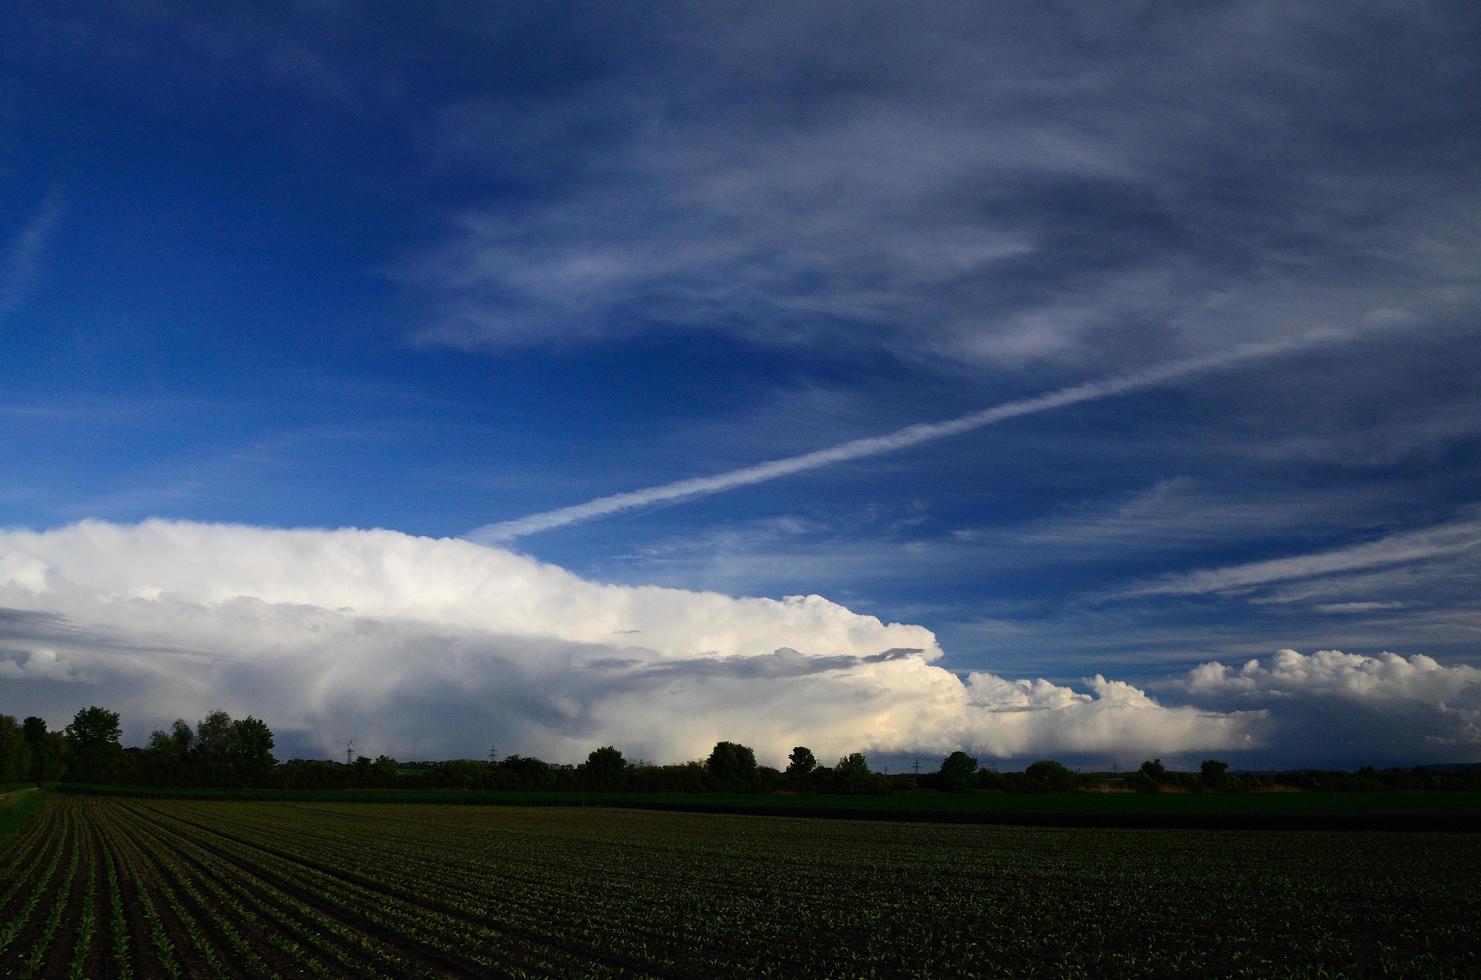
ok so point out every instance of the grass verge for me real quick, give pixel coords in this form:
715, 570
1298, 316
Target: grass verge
18, 806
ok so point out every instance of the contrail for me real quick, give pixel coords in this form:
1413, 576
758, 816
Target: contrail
911, 435
20, 266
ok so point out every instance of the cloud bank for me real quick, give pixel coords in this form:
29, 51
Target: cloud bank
428, 648
1386, 708
1386, 678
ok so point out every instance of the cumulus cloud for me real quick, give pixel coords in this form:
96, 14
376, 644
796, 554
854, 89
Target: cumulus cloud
1022, 718
423, 647
1394, 707
1386, 677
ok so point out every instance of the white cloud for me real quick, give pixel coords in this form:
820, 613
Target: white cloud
1398, 709
23, 571
423, 647
1022, 718
1332, 673
1350, 608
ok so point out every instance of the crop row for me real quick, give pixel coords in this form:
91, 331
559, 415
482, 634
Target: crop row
104, 887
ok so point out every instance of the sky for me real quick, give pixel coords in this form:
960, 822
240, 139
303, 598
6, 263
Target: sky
1097, 382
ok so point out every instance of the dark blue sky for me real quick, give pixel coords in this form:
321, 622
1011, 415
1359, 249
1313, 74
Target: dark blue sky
437, 266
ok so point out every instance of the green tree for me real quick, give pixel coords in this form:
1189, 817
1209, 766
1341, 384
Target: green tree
53, 757
15, 751
387, 770
732, 767
211, 751
250, 752
1154, 770
851, 775
94, 754
1212, 773
182, 736
167, 755
47, 751
463, 773
958, 772
604, 769
34, 729
1051, 776
526, 772
800, 767
801, 761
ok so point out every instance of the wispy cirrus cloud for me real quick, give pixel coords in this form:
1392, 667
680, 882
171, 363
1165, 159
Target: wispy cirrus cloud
970, 185
1460, 537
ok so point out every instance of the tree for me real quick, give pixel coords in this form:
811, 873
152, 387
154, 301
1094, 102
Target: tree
1154, 770
958, 772
525, 772
801, 761
249, 752
167, 756
182, 736
15, 751
1050, 776
212, 749
732, 767
387, 770
800, 766
47, 750
94, 754
851, 775
604, 769
1212, 772
34, 729
460, 773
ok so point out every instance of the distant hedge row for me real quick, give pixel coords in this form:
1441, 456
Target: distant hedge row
223, 752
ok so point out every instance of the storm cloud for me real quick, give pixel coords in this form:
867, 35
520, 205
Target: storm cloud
417, 647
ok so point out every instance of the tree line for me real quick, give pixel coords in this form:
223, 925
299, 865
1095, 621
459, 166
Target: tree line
219, 751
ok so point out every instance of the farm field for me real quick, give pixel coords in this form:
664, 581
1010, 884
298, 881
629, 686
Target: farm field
130, 887
1452, 810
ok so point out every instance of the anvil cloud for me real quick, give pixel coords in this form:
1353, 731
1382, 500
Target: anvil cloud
415, 646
